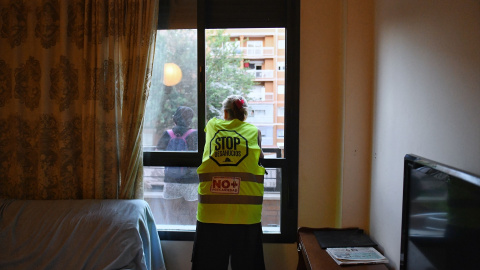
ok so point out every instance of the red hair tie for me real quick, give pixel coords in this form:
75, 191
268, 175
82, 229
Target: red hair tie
239, 103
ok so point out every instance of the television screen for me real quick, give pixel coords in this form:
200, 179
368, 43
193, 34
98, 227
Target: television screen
441, 217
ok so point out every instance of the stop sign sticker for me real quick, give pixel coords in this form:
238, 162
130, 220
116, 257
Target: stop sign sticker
228, 148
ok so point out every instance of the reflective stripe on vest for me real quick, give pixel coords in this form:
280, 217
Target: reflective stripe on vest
230, 199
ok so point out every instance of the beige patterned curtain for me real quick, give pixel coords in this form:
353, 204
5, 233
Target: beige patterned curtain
74, 79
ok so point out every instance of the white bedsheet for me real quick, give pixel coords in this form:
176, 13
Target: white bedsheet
78, 234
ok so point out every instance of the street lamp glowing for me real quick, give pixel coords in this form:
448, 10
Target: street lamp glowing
172, 74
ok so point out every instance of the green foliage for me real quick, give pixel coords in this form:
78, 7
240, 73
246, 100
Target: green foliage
223, 72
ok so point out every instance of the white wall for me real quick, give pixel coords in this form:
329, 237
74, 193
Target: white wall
427, 99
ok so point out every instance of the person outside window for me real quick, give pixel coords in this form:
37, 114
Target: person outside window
180, 183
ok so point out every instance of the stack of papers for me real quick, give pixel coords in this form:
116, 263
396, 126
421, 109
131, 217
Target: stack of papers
356, 255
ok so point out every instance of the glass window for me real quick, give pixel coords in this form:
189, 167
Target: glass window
173, 203
214, 62
267, 135
172, 103
257, 93
171, 122
254, 47
280, 133
260, 113
171, 125
271, 211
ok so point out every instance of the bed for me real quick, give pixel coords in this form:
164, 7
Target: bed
78, 234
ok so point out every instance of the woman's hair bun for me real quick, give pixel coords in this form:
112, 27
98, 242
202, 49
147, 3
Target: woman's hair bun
237, 106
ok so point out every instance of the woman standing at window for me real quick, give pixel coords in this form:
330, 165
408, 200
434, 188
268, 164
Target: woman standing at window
230, 193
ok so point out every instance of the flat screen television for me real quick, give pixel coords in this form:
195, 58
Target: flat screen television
441, 217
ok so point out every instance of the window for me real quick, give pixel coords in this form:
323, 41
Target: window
281, 111
267, 135
281, 66
281, 44
280, 133
260, 113
257, 93
254, 48
237, 42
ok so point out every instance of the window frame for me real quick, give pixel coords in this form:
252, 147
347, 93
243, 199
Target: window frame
285, 14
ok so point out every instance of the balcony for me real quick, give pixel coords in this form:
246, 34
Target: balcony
262, 75
257, 52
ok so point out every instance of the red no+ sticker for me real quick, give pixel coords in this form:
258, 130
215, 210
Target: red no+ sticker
225, 185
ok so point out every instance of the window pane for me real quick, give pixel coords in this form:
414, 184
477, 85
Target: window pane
280, 133
174, 203
249, 61
172, 102
271, 201
252, 65
172, 195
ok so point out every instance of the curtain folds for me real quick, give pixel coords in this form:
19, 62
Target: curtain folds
74, 79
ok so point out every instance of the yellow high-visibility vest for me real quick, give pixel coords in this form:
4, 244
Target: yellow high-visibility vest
231, 180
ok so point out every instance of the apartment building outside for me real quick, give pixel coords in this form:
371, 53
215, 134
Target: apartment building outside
263, 51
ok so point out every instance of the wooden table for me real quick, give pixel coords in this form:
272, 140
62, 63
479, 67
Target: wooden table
312, 256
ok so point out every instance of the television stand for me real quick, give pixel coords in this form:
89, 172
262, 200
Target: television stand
312, 257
